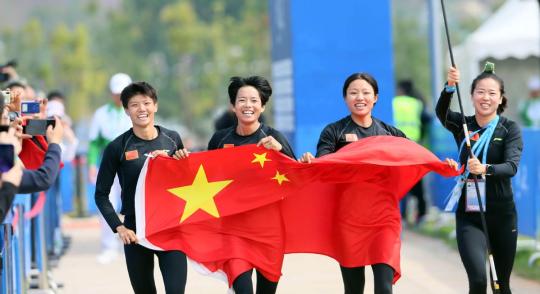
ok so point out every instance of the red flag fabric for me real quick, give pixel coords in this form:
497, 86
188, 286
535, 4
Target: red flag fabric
239, 208
33, 152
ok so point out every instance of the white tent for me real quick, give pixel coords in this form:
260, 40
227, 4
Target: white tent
511, 39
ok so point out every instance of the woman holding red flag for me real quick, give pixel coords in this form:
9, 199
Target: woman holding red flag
360, 92
248, 97
125, 157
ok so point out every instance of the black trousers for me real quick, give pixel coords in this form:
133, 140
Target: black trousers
243, 284
140, 266
354, 279
502, 228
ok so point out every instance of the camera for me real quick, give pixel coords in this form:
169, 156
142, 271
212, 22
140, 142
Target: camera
4, 76
6, 95
29, 107
7, 156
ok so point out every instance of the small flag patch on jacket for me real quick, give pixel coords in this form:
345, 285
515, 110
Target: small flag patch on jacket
131, 155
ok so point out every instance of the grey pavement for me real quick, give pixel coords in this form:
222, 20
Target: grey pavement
428, 266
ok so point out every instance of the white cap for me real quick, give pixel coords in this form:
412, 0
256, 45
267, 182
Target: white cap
118, 82
534, 83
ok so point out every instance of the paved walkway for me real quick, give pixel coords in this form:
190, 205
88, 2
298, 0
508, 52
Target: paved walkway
428, 266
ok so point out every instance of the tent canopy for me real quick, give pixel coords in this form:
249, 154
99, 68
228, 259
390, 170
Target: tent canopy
512, 31
511, 38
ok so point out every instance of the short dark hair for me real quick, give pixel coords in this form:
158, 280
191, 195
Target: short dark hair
360, 76
407, 87
137, 88
259, 83
55, 94
17, 83
490, 75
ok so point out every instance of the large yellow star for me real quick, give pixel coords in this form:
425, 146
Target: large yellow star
260, 158
200, 194
280, 178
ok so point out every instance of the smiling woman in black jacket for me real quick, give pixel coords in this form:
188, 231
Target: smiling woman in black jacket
498, 145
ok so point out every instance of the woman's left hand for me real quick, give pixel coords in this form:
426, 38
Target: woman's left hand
476, 167
270, 143
181, 153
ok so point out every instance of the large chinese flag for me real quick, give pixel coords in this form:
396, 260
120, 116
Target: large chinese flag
239, 208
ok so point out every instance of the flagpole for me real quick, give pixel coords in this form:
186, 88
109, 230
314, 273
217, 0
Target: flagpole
493, 276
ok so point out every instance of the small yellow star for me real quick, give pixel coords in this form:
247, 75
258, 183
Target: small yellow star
200, 194
280, 178
260, 158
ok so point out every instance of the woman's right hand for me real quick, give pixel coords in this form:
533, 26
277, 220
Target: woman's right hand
453, 76
306, 157
126, 235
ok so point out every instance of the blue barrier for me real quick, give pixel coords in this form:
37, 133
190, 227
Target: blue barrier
443, 146
526, 184
67, 176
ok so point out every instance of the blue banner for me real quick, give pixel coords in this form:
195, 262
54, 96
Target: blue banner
315, 47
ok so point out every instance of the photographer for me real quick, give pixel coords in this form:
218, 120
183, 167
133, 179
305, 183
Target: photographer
44, 159
11, 179
8, 72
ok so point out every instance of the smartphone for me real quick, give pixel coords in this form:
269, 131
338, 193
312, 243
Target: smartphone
29, 107
38, 126
7, 156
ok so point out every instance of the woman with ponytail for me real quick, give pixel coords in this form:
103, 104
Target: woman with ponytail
497, 145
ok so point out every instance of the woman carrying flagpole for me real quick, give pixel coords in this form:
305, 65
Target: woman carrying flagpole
497, 146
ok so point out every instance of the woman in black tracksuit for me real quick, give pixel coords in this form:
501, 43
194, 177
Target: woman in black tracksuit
125, 156
248, 97
360, 92
501, 163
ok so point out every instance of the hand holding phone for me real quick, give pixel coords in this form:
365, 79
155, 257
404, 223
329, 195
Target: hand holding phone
35, 127
55, 132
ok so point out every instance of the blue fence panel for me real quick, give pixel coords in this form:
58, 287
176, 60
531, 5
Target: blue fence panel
67, 184
443, 146
526, 184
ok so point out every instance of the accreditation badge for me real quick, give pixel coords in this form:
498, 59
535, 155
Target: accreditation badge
472, 201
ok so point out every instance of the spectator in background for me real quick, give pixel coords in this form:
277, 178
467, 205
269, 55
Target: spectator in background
8, 72
109, 121
18, 89
11, 179
411, 117
56, 107
529, 109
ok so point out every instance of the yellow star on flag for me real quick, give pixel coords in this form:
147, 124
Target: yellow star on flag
260, 158
200, 194
280, 178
